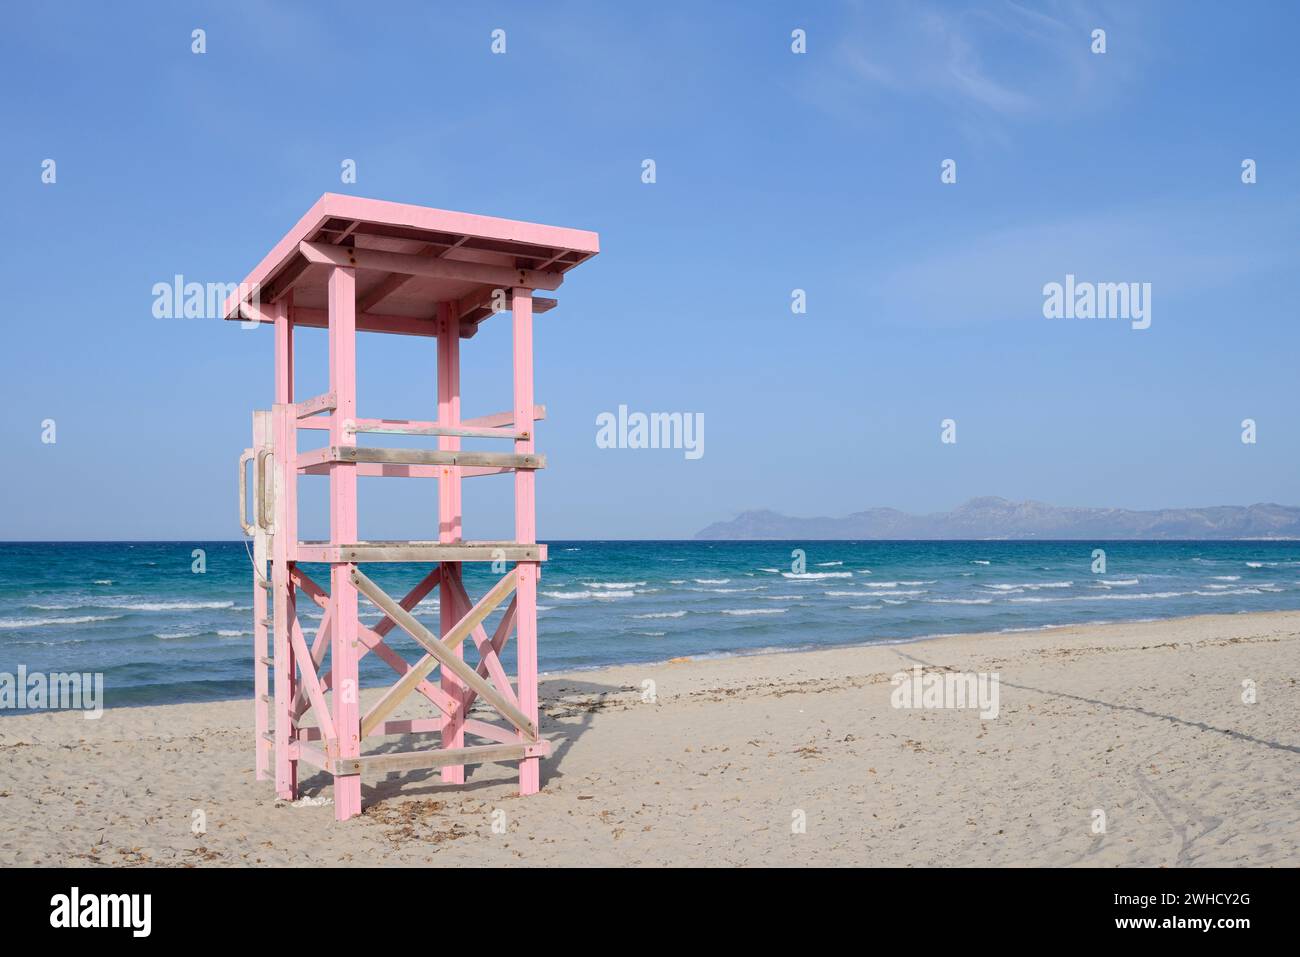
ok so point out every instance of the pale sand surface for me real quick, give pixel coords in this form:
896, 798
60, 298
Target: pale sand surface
1144, 721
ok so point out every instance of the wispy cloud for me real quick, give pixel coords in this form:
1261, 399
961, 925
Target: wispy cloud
1000, 62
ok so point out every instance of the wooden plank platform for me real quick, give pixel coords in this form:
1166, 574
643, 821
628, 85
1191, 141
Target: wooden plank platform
383, 456
361, 453
419, 551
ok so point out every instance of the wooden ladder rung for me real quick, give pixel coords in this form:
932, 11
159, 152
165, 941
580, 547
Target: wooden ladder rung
264, 583
266, 699
270, 662
268, 736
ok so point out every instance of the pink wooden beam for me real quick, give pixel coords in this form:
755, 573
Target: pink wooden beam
315, 656
473, 726
282, 589
373, 640
435, 695
416, 595
449, 526
525, 528
497, 420
378, 260
311, 682
417, 427
387, 323
381, 470
369, 322
313, 591
390, 284
489, 662
343, 528
264, 750
386, 624
315, 405
499, 639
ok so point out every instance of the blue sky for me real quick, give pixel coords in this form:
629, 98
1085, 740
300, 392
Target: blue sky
775, 171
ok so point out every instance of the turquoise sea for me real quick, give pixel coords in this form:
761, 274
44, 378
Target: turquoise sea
159, 632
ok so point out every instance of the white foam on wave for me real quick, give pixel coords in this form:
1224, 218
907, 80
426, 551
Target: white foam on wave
171, 605
754, 611
960, 601
866, 607
1227, 578
619, 585
1126, 596
813, 576
661, 614
713, 581
13, 623
1028, 586
231, 633
1119, 581
598, 595
978, 562
843, 594
930, 581
828, 564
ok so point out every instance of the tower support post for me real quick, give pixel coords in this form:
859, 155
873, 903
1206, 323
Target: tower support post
279, 479
344, 632
521, 307
450, 527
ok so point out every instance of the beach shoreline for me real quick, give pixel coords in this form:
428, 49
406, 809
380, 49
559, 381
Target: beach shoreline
781, 757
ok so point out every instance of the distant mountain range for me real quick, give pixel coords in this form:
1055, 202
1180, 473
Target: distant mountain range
997, 518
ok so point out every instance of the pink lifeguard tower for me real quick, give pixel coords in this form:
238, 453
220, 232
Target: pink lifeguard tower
362, 265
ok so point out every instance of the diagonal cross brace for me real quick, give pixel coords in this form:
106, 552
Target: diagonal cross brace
309, 680
441, 652
375, 635
489, 662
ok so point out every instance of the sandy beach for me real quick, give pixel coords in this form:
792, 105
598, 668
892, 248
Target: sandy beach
776, 759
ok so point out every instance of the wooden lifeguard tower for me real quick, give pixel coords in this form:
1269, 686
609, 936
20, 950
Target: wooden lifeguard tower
361, 265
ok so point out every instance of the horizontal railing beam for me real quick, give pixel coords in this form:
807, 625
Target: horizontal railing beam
502, 418
418, 760
419, 552
494, 421
371, 470
318, 404
448, 457
309, 461
412, 427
